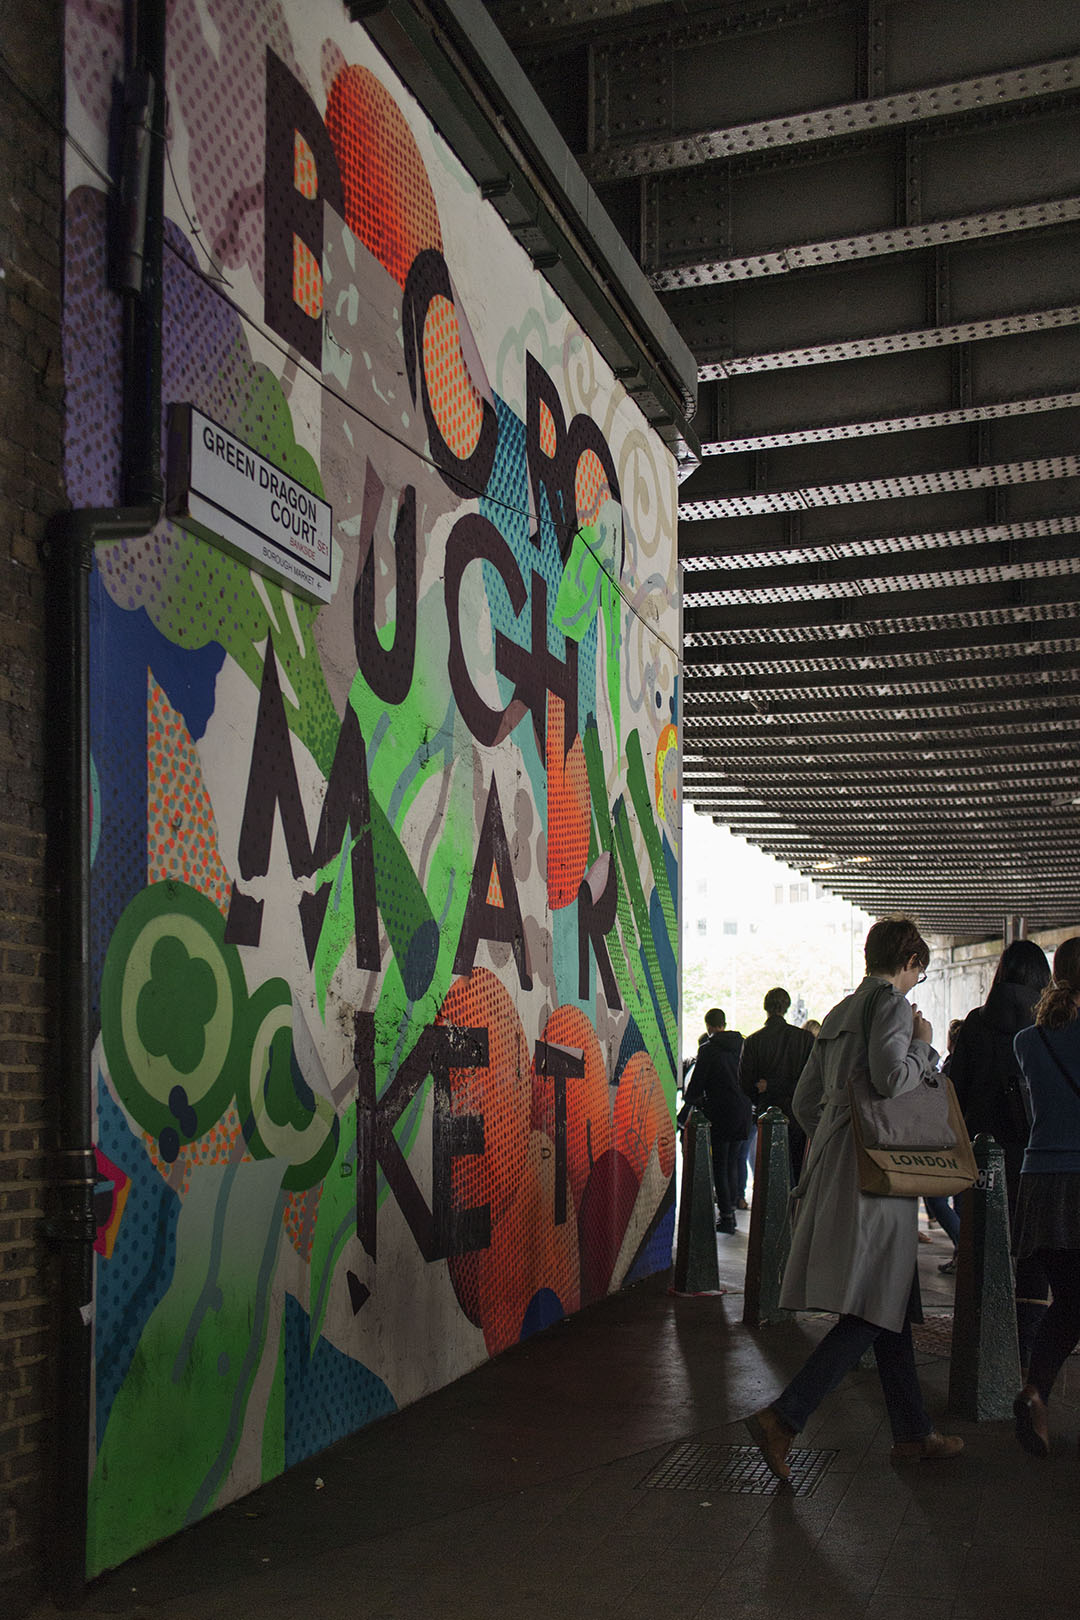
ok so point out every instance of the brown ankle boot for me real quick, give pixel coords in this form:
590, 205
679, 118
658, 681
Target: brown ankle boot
773, 1439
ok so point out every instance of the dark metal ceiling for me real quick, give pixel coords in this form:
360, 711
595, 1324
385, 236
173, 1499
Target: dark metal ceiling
864, 219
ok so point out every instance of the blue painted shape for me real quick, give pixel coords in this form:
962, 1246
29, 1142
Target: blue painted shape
631, 1042
655, 1252
543, 1311
124, 644
139, 1272
327, 1394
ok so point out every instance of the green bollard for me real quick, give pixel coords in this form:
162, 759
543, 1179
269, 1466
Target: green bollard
984, 1374
696, 1268
770, 1223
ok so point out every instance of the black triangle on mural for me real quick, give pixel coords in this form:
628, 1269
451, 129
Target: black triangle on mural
359, 1292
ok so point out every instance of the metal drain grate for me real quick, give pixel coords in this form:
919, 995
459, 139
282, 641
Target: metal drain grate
738, 1470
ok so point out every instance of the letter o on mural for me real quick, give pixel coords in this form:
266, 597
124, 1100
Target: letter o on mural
170, 993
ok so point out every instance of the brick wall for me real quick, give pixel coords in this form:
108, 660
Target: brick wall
31, 489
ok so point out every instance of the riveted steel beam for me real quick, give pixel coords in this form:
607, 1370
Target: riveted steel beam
1029, 634
988, 556
868, 245
874, 428
899, 342
711, 538
880, 607
939, 481
756, 769
823, 124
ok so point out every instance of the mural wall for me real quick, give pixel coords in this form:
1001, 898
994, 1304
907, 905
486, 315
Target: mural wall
384, 883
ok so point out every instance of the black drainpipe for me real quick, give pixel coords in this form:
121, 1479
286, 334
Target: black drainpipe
137, 275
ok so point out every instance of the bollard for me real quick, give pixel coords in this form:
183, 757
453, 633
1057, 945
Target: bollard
770, 1224
696, 1268
984, 1374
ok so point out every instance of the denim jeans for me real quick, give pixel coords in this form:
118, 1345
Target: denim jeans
942, 1211
839, 1351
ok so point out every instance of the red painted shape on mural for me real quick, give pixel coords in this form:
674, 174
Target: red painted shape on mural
501, 1095
588, 1100
607, 1204
568, 809
389, 203
643, 1117
110, 1197
527, 1253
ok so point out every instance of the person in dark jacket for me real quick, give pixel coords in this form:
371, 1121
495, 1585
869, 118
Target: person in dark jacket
993, 1096
1048, 1206
772, 1060
714, 1088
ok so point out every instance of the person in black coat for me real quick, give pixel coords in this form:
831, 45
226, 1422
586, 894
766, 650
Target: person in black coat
772, 1060
714, 1088
993, 1096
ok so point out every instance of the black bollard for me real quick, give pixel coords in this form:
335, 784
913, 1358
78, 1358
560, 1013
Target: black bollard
984, 1374
696, 1268
770, 1224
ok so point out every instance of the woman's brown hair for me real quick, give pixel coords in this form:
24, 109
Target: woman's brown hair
891, 944
1057, 1004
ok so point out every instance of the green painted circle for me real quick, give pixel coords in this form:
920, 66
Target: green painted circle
308, 1149
144, 1079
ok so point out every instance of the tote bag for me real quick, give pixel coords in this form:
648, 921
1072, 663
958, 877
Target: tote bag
912, 1146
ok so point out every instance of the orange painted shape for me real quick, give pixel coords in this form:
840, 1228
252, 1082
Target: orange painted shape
569, 809
591, 487
588, 1105
389, 203
307, 279
457, 407
305, 176
527, 1252
642, 1116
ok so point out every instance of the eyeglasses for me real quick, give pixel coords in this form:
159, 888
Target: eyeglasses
921, 979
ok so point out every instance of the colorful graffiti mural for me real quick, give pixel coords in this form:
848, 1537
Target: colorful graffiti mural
384, 887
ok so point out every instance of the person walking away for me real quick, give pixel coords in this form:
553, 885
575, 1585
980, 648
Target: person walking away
1048, 1204
993, 1097
854, 1254
943, 1210
772, 1061
714, 1088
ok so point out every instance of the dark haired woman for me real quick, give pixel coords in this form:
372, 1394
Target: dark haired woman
1048, 1208
993, 1096
851, 1253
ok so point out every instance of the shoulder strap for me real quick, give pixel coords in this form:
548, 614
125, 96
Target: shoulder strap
1056, 1061
869, 1008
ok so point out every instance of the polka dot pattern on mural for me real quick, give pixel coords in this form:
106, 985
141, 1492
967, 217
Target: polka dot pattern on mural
389, 203
222, 103
549, 438
569, 809
305, 177
181, 840
643, 1117
458, 408
222, 1144
588, 1099
92, 366
327, 1393
591, 487
307, 282
299, 1217
501, 1094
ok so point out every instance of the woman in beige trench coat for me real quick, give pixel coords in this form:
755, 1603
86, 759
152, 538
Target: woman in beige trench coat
853, 1253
